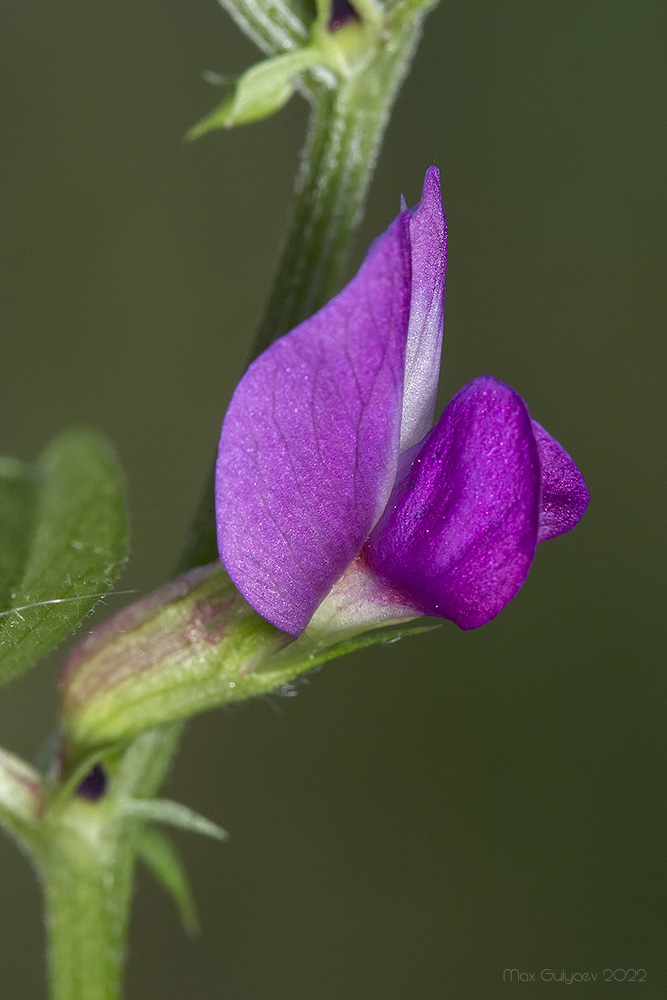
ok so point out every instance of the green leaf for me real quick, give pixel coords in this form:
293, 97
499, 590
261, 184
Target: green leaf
63, 531
161, 858
259, 92
172, 814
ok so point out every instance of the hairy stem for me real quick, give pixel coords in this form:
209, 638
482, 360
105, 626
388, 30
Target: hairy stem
87, 871
273, 25
346, 130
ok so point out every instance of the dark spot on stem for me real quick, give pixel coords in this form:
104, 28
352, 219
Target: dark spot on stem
342, 13
94, 785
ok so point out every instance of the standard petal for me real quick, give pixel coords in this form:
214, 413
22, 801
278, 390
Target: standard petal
428, 242
460, 530
565, 495
309, 446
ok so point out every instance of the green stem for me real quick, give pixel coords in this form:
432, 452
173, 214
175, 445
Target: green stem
346, 130
87, 869
273, 25
87, 881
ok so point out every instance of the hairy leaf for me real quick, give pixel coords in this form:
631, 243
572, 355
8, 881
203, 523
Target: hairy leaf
63, 538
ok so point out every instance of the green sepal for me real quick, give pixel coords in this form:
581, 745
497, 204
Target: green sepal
161, 858
261, 91
21, 801
64, 525
195, 644
171, 814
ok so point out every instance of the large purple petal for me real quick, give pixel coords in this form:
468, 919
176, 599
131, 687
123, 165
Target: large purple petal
428, 240
309, 446
460, 530
565, 495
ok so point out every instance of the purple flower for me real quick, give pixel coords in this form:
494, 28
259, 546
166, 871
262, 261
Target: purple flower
331, 479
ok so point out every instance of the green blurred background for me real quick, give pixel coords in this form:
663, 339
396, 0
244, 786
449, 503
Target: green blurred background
426, 814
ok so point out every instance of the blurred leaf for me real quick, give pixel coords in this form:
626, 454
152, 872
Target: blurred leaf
160, 857
63, 532
173, 814
17, 495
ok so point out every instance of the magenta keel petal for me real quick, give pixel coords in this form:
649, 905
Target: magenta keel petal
309, 446
460, 530
565, 495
